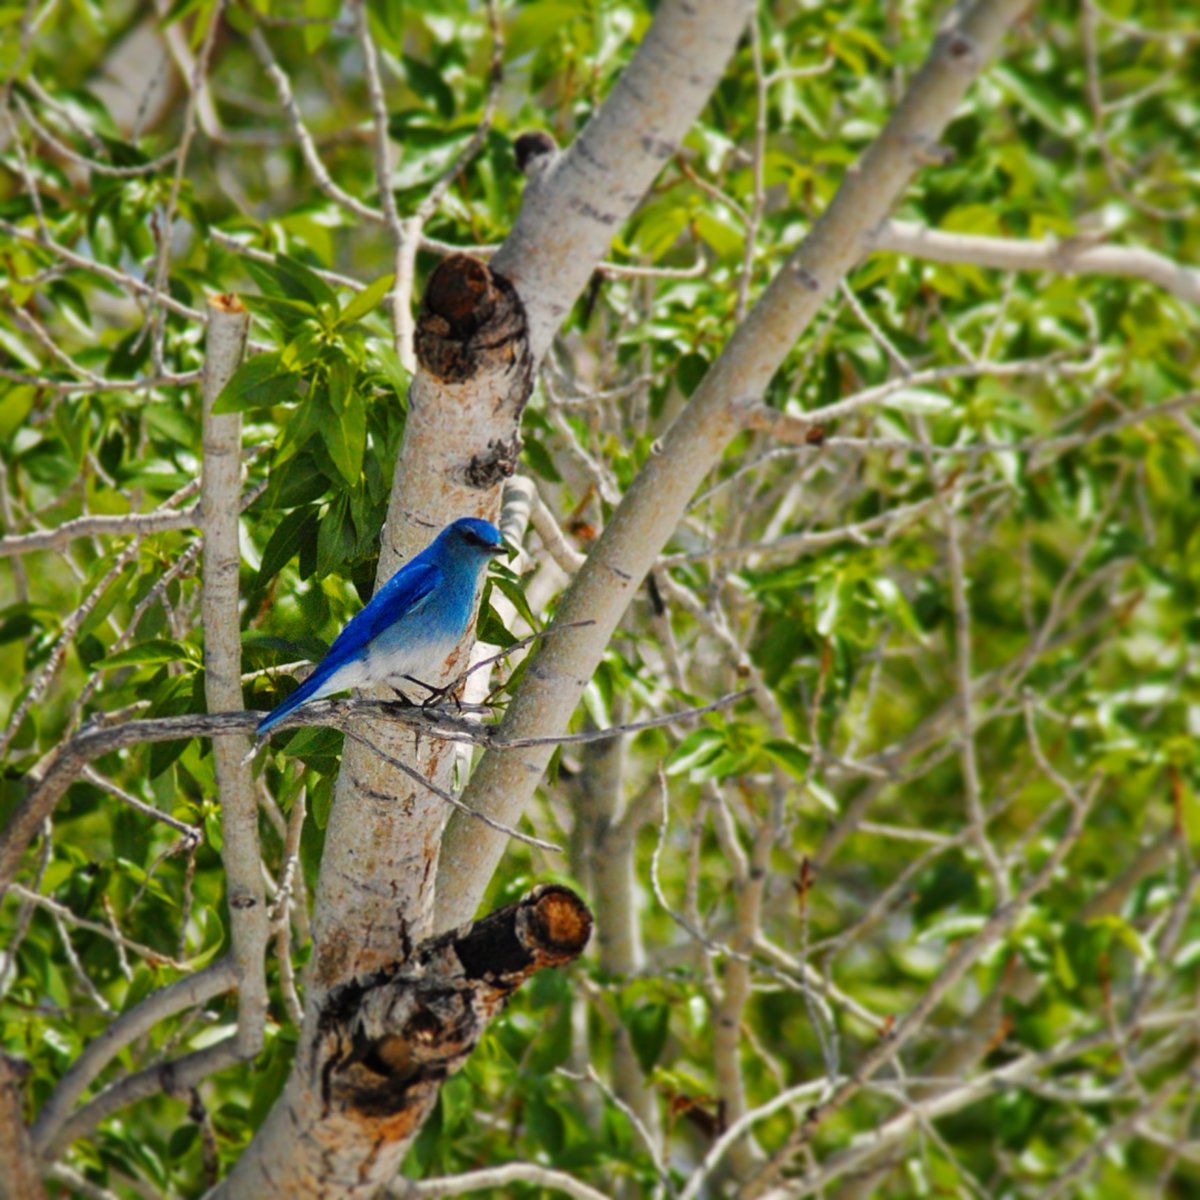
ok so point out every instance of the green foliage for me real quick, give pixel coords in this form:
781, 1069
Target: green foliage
818, 576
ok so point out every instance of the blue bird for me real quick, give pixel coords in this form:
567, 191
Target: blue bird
411, 624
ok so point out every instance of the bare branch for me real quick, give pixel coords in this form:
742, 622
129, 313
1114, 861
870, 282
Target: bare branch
964, 957
175, 1077
312, 158
1075, 256
63, 913
127, 1028
495, 1177
141, 524
220, 504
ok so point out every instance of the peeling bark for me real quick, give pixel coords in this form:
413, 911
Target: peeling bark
384, 1044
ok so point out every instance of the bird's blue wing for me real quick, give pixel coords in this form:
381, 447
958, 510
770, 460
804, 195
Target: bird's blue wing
402, 594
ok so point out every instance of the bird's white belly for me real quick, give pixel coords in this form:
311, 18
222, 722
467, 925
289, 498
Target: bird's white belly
424, 661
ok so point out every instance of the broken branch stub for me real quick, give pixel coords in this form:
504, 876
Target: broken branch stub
384, 1044
388, 1042
472, 333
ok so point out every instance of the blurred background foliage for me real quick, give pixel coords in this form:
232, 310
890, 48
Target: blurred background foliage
1059, 463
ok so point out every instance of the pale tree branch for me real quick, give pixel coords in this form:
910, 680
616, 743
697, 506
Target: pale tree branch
496, 1177
658, 497
304, 139
184, 993
174, 1077
220, 501
96, 525
1072, 256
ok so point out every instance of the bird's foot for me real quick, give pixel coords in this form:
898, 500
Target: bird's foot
437, 694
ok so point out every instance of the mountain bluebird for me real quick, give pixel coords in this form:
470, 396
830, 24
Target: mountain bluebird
411, 623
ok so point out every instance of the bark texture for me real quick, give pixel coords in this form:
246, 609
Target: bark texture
461, 442
19, 1175
220, 507
479, 336
384, 1044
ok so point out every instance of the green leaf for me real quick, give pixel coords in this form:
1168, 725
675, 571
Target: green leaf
918, 401
546, 1124
335, 538
320, 800
340, 373
286, 314
366, 301
953, 928
161, 650
315, 743
322, 14
259, 382
828, 598
789, 756
345, 437
297, 528
384, 359
700, 746
538, 458
427, 82
289, 279
1038, 100
716, 228
309, 343
516, 596
554, 1042
648, 1027
895, 605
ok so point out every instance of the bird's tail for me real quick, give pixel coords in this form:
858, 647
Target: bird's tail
310, 689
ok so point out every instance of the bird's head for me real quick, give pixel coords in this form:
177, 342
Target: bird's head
474, 536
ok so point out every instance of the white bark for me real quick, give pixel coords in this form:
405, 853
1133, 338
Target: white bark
1072, 256
572, 210
462, 440
374, 894
504, 783
385, 1043
98, 525
220, 505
